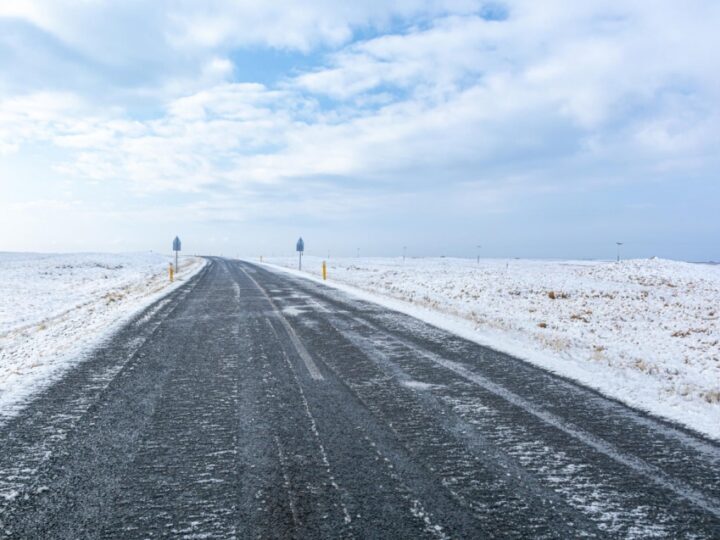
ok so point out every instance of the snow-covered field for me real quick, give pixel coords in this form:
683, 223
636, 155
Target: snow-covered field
646, 332
56, 308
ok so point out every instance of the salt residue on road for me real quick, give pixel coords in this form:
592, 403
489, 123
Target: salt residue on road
55, 308
646, 332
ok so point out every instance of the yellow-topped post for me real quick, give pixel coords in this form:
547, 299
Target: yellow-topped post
324, 270
171, 271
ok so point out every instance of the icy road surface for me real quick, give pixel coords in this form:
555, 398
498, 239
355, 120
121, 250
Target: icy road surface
257, 404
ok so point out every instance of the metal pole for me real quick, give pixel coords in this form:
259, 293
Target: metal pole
478, 255
176, 261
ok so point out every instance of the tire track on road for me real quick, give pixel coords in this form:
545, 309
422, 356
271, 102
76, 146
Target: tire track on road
388, 345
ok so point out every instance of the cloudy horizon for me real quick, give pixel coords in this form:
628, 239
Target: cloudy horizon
533, 129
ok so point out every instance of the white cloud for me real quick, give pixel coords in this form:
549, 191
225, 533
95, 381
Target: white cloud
116, 30
589, 62
293, 25
451, 103
38, 116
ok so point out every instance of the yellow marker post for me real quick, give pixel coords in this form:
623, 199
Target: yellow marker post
324, 271
171, 270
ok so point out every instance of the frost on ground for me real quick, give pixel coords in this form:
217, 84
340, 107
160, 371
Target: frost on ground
55, 308
643, 331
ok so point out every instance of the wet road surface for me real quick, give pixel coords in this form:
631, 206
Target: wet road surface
253, 404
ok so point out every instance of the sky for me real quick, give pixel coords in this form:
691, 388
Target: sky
529, 128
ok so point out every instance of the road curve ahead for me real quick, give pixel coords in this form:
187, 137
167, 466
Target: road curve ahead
252, 404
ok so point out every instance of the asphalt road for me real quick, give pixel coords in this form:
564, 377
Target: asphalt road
251, 404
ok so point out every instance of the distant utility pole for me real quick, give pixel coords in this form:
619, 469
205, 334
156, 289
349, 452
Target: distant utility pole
618, 250
404, 252
358, 253
478, 255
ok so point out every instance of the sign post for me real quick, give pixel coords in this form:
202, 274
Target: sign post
176, 249
300, 247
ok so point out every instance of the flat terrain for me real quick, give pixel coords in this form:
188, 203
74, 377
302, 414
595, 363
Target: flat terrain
254, 404
55, 308
643, 331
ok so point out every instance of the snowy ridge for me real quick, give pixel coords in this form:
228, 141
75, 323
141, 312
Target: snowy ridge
55, 308
646, 332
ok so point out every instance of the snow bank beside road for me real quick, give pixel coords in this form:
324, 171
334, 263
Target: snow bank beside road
646, 332
55, 308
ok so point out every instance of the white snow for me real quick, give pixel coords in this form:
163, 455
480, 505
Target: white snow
643, 331
55, 308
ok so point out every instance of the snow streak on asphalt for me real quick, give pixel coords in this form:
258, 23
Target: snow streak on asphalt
254, 404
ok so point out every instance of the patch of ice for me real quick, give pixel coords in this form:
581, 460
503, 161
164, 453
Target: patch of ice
418, 385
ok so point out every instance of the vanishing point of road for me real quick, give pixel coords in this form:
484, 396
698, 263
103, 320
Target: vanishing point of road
253, 404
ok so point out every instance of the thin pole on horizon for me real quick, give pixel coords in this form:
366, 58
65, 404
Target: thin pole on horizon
478, 255
404, 252
358, 253
618, 250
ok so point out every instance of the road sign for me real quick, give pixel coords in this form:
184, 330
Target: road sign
176, 248
300, 247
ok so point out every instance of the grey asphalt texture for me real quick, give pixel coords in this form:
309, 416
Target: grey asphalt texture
254, 404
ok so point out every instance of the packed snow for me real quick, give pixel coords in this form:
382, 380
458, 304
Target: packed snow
55, 308
643, 331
